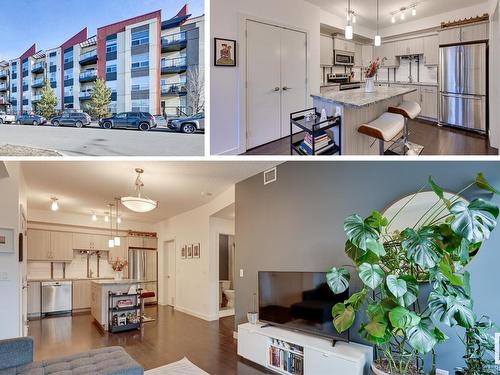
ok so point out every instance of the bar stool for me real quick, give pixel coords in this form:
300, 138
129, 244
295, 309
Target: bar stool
146, 294
386, 128
409, 110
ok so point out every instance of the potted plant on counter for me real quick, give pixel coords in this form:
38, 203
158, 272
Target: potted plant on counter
370, 73
401, 269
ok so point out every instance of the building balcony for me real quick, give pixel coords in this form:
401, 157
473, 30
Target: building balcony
88, 76
85, 95
36, 98
37, 83
4, 74
174, 66
172, 43
38, 68
4, 87
174, 89
89, 58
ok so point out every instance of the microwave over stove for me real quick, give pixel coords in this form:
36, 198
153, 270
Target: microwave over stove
343, 58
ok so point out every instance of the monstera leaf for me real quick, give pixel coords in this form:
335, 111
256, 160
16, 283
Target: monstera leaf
357, 299
377, 220
422, 246
396, 286
451, 310
338, 280
410, 296
358, 231
436, 188
403, 318
474, 221
343, 317
376, 327
371, 274
359, 256
485, 185
421, 337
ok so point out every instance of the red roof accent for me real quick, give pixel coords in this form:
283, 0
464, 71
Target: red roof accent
30, 52
183, 12
76, 39
115, 28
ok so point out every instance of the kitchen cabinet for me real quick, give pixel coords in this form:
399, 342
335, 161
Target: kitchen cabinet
51, 246
464, 34
431, 50
143, 242
344, 45
85, 241
81, 294
429, 102
367, 57
34, 299
358, 55
119, 251
409, 47
388, 51
326, 49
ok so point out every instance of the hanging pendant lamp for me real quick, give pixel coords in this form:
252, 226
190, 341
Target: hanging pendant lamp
378, 39
139, 203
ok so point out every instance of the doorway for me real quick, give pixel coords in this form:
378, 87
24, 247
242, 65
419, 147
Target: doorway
276, 59
226, 275
169, 274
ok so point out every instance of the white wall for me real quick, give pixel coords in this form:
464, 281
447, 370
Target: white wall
196, 279
494, 74
226, 128
13, 190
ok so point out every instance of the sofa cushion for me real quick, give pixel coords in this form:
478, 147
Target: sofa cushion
15, 352
106, 361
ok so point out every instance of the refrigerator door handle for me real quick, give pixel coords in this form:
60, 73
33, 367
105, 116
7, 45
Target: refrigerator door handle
464, 96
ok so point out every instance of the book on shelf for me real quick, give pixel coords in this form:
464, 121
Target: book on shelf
286, 360
322, 142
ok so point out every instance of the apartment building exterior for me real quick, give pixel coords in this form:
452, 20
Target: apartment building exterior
145, 62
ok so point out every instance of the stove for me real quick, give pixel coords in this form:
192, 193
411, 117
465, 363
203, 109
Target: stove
344, 80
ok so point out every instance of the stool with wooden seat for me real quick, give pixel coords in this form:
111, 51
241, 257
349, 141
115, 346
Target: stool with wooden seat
146, 294
386, 128
409, 110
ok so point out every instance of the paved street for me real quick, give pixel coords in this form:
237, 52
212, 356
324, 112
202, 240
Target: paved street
93, 141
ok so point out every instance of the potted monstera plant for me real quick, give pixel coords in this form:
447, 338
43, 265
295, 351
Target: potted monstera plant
413, 279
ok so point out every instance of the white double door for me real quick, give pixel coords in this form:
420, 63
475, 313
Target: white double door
276, 80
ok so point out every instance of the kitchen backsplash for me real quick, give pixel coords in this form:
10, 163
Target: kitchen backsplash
76, 269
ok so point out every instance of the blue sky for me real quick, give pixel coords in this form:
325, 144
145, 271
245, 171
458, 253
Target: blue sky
49, 23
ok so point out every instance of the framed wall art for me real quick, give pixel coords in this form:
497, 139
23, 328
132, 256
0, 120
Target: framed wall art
224, 52
6, 240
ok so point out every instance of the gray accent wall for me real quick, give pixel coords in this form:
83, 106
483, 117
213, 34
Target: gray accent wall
296, 224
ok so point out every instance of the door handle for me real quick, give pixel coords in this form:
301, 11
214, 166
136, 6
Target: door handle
277, 89
286, 88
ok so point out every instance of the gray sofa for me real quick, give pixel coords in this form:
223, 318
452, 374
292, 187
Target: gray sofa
16, 358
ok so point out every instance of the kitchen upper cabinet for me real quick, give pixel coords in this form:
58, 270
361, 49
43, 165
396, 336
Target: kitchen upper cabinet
465, 34
409, 47
388, 51
358, 55
44, 245
326, 58
367, 55
81, 294
429, 102
143, 242
119, 251
431, 50
344, 45
85, 241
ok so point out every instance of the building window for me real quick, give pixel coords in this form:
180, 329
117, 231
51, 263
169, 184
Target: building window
14, 87
52, 60
140, 83
111, 85
112, 107
140, 37
68, 74
111, 68
140, 105
52, 76
111, 45
140, 61
68, 56
14, 68
68, 91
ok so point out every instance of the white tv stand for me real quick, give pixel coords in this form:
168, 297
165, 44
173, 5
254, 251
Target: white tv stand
319, 357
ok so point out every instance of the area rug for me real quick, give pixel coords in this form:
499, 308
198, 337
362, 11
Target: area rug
182, 367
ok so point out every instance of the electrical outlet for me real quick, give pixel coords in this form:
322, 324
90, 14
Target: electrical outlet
4, 276
241, 272
442, 372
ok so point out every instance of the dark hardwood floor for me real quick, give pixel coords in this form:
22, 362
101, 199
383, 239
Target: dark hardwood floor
173, 336
436, 140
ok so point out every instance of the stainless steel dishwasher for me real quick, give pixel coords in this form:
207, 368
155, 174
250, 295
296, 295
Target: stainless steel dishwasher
56, 297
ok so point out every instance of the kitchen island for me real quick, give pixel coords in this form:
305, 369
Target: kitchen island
358, 107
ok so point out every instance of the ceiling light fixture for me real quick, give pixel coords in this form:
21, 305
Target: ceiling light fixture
402, 16
111, 241
94, 216
138, 203
119, 219
378, 39
106, 217
393, 20
54, 206
348, 29
414, 12
402, 12
117, 240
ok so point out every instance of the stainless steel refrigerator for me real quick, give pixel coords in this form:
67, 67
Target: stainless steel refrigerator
463, 86
143, 266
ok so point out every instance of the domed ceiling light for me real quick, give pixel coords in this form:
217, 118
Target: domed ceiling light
139, 203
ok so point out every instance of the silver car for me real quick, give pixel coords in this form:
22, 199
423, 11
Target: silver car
189, 125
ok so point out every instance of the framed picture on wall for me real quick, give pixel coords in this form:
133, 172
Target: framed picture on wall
184, 252
196, 250
224, 52
6, 240
190, 251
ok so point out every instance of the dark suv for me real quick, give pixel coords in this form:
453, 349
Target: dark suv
78, 119
137, 120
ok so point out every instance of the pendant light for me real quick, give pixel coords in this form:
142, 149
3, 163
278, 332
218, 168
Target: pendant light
117, 238
111, 241
348, 28
138, 203
94, 216
54, 206
378, 39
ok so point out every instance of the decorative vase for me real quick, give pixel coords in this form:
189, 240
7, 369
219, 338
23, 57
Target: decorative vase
370, 85
119, 275
253, 317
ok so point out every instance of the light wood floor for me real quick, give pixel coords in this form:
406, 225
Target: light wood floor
175, 335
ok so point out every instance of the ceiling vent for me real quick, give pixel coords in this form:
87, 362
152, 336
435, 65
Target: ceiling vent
270, 176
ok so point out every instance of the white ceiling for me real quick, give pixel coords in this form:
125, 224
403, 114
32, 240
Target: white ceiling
366, 10
83, 187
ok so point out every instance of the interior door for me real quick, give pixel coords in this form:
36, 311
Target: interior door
263, 83
293, 76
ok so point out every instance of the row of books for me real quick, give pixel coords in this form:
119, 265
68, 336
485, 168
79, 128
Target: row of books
322, 143
286, 361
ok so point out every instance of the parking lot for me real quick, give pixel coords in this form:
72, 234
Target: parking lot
93, 141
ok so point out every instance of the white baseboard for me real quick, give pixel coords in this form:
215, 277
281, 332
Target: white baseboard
196, 314
235, 335
231, 152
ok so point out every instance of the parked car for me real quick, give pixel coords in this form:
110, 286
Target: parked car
30, 120
190, 124
138, 120
78, 119
161, 121
7, 119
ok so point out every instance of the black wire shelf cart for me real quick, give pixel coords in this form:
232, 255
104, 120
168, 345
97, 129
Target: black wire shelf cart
313, 127
126, 318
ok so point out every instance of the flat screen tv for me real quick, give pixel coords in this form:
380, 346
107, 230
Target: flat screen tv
300, 301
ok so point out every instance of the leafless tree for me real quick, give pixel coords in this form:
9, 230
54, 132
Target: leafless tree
196, 89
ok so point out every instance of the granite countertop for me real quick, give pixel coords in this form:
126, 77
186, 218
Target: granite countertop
360, 98
121, 282
69, 279
408, 83
330, 84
